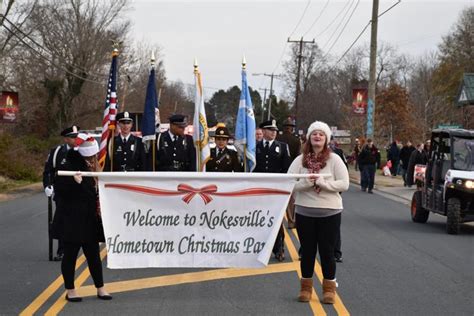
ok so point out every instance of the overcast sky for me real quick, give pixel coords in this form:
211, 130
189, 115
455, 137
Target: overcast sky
218, 33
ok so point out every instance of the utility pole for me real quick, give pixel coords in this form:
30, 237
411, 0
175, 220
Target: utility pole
263, 101
271, 91
300, 56
372, 70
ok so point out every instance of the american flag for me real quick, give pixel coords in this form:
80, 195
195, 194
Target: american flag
108, 122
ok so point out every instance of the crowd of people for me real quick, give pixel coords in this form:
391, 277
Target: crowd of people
315, 207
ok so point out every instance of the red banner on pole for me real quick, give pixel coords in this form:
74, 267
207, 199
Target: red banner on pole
8, 106
359, 101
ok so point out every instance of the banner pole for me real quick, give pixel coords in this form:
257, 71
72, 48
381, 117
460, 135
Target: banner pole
189, 175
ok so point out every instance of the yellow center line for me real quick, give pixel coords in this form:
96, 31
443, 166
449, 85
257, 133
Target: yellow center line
338, 305
315, 303
49, 291
186, 278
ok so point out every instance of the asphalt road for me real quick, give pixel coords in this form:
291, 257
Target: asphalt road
391, 266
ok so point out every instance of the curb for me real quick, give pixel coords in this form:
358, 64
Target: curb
357, 182
24, 191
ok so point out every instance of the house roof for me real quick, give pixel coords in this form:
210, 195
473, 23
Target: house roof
466, 91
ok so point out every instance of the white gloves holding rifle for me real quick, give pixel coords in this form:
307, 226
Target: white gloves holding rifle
49, 190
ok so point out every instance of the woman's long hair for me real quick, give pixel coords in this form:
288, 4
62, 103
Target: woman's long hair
310, 155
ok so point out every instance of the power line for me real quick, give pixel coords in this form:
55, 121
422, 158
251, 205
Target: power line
343, 28
301, 18
317, 18
286, 43
337, 27
335, 18
362, 32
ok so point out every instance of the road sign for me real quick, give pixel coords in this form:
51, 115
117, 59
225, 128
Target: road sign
447, 126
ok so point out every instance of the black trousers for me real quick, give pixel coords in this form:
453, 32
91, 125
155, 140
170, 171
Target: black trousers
367, 176
68, 264
318, 233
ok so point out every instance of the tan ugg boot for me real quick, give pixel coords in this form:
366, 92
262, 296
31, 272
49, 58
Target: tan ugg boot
329, 291
306, 290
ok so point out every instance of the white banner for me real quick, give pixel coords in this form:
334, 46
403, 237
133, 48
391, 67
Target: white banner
190, 219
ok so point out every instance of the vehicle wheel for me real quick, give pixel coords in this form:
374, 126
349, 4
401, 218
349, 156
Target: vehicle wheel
453, 212
418, 213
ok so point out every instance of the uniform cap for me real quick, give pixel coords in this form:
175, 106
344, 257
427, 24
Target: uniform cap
269, 125
124, 116
70, 131
178, 119
289, 122
222, 132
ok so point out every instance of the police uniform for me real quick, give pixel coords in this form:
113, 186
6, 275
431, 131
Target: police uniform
294, 145
223, 160
291, 139
57, 161
174, 152
273, 158
128, 152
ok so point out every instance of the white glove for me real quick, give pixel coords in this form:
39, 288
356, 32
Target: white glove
49, 190
78, 177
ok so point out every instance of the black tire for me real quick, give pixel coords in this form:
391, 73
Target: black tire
418, 213
453, 214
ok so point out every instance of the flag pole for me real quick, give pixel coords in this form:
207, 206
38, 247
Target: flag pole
244, 66
197, 142
115, 53
153, 142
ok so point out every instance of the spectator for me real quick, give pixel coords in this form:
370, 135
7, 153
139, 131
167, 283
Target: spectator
405, 154
369, 161
393, 154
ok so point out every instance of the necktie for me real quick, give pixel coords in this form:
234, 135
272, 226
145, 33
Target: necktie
267, 145
124, 140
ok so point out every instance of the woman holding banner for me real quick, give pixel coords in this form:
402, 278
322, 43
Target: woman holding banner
318, 208
79, 225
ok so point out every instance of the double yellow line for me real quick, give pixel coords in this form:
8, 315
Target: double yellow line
183, 278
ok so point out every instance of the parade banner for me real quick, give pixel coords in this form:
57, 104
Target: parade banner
190, 219
359, 101
8, 106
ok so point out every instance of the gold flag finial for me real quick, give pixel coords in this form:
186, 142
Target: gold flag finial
152, 59
244, 62
196, 66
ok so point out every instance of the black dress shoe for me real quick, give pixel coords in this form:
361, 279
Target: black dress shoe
370, 191
104, 297
73, 299
58, 257
339, 259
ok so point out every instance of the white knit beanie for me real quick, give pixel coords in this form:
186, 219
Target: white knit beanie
320, 126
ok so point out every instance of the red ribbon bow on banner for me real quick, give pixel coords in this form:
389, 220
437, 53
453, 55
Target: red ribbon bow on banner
205, 192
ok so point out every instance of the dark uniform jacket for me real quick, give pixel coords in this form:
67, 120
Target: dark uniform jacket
293, 142
226, 161
275, 159
56, 161
78, 221
129, 156
177, 155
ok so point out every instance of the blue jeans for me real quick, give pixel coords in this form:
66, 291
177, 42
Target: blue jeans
367, 177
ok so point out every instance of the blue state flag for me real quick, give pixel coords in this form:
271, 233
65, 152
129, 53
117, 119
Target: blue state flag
245, 127
151, 106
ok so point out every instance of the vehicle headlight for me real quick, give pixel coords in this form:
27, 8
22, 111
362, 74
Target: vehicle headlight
469, 184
